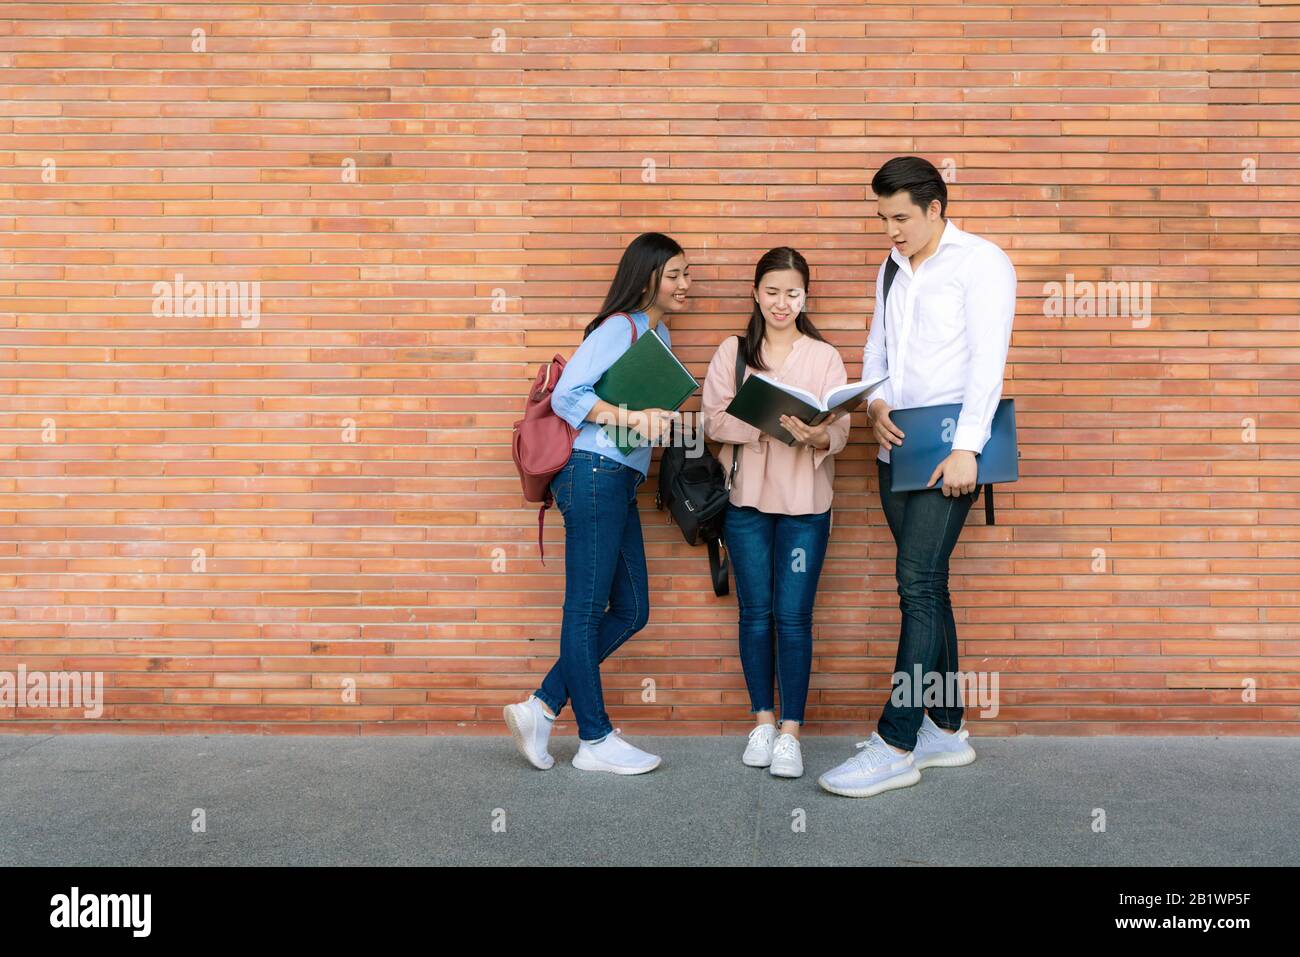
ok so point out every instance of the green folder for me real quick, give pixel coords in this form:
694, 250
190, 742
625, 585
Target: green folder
646, 376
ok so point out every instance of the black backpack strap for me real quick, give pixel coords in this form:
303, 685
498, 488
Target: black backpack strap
891, 270
988, 502
736, 447
719, 565
719, 562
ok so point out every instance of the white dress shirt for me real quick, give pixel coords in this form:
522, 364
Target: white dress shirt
949, 328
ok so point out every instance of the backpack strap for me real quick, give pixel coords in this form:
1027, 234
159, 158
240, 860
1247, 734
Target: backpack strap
541, 520
719, 566
737, 447
891, 270
719, 563
630, 320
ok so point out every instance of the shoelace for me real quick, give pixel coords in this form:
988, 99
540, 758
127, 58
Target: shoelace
871, 754
785, 746
757, 733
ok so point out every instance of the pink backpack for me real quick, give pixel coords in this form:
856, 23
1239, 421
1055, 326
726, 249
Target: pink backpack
543, 441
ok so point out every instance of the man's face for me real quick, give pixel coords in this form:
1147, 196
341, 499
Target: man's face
907, 225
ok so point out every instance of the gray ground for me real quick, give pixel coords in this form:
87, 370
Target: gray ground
129, 800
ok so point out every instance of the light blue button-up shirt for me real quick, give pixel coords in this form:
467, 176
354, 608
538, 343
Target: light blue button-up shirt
574, 396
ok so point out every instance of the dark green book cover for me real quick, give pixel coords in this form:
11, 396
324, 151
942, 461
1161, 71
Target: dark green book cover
646, 376
761, 402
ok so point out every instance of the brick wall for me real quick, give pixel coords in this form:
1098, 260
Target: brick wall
304, 519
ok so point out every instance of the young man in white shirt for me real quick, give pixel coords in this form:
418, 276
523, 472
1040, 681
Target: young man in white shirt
941, 337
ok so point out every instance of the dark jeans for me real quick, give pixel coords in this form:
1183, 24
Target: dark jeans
777, 560
604, 564
925, 525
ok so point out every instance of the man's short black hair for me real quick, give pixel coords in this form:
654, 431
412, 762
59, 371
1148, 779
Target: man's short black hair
915, 175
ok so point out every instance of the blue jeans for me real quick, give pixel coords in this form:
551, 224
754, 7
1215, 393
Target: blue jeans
777, 560
925, 525
604, 564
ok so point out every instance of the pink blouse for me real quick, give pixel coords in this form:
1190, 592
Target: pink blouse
775, 477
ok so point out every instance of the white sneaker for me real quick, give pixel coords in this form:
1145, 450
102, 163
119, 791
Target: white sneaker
937, 748
787, 758
876, 767
758, 753
531, 727
615, 755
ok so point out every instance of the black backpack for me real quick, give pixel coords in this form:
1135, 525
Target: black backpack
696, 491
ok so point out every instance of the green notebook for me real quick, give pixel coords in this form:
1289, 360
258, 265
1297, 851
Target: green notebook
646, 376
762, 401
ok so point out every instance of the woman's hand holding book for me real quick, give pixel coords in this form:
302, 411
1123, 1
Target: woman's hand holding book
814, 436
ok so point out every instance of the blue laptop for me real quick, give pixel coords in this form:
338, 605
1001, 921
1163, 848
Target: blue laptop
924, 446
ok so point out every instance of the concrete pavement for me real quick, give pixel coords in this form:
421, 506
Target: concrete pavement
130, 800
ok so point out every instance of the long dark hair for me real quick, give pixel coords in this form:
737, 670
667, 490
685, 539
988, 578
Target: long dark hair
638, 275
783, 257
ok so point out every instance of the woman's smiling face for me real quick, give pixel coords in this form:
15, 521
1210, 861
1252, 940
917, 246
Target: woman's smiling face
674, 286
780, 297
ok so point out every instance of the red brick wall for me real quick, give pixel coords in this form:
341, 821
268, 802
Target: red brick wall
184, 507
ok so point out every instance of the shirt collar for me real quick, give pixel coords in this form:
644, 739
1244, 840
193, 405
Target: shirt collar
795, 346
950, 235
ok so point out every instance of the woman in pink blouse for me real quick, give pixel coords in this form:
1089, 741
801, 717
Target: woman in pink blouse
778, 520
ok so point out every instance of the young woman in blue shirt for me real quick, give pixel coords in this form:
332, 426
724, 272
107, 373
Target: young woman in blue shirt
604, 555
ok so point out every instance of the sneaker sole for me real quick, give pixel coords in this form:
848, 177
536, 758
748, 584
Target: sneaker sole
786, 774
584, 765
518, 734
755, 764
900, 781
954, 760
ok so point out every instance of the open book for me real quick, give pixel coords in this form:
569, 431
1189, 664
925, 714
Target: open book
762, 401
